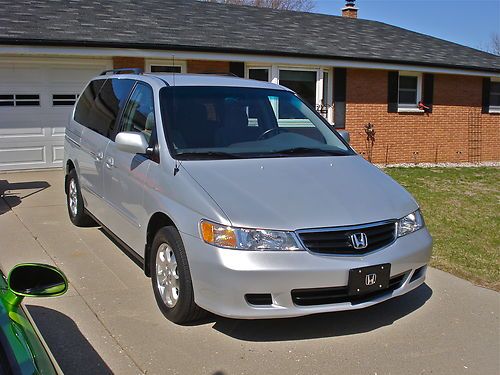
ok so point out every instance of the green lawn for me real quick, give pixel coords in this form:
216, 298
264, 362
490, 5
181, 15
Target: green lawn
461, 207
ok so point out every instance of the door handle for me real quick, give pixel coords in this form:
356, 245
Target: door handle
98, 156
110, 162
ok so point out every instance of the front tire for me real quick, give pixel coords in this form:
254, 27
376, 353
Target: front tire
171, 278
74, 202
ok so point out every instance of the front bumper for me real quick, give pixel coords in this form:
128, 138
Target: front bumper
221, 277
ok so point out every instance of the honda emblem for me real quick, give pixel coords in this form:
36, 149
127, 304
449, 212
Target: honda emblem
371, 279
359, 240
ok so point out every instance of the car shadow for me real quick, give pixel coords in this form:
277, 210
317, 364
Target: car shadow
14, 199
74, 354
324, 325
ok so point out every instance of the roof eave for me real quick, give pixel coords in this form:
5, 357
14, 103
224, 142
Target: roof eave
152, 46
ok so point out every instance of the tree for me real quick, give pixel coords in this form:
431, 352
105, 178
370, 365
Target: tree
493, 46
301, 5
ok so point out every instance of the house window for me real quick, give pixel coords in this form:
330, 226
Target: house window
166, 69
64, 99
303, 82
19, 100
495, 96
6, 100
172, 65
259, 74
313, 84
409, 91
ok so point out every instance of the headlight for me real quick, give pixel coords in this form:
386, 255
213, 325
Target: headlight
247, 239
410, 223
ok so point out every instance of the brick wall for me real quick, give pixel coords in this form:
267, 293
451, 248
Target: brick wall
128, 62
202, 66
441, 136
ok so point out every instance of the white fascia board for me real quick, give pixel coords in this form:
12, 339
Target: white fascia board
247, 58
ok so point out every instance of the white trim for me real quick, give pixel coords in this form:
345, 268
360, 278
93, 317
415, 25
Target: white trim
166, 62
410, 110
494, 110
191, 55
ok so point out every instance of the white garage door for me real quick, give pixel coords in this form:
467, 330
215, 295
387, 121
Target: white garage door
36, 100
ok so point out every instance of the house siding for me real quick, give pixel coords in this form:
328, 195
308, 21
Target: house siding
445, 135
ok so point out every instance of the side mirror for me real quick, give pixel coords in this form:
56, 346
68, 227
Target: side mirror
132, 142
345, 134
36, 280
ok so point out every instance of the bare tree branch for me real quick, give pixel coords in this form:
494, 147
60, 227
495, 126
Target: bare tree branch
493, 45
301, 5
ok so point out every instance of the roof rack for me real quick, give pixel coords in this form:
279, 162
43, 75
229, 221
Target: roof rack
227, 74
122, 70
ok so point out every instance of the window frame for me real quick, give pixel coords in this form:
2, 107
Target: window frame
494, 108
403, 107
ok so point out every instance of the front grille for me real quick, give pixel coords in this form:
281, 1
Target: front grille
337, 240
325, 296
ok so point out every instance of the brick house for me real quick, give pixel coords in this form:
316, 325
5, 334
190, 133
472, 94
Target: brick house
428, 99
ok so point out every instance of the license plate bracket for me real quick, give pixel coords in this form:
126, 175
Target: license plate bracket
366, 280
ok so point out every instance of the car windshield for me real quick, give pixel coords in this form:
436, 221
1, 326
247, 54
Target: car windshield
237, 122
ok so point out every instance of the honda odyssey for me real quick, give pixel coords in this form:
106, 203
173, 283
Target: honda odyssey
238, 198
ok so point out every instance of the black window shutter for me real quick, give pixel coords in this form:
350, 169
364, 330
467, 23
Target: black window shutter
428, 97
486, 95
237, 68
392, 94
339, 96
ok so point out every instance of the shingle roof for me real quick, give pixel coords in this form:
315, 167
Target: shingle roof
194, 25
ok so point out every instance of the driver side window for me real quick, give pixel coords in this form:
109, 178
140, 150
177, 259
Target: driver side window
139, 114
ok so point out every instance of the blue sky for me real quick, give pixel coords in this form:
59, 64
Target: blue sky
468, 22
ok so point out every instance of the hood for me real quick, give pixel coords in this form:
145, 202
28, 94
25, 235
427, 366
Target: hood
301, 192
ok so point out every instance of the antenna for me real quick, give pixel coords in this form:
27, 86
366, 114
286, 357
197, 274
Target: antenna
173, 65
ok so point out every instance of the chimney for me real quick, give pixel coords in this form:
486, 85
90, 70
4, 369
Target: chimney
350, 10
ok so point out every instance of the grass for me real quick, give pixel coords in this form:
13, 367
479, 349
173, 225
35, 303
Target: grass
462, 211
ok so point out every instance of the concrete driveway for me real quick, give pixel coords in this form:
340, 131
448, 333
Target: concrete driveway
108, 322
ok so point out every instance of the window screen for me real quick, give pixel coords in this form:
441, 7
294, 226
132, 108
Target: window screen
408, 90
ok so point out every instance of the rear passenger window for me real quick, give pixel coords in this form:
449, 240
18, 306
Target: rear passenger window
86, 101
139, 114
107, 104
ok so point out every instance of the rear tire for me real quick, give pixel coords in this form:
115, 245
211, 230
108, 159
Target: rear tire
74, 202
171, 278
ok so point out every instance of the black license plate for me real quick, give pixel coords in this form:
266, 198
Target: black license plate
369, 279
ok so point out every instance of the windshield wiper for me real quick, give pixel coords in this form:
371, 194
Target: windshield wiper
208, 155
309, 151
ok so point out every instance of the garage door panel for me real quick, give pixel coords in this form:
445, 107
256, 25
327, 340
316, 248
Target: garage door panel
57, 154
32, 136
12, 156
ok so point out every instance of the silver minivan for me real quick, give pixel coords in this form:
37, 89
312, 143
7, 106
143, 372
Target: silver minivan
238, 198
